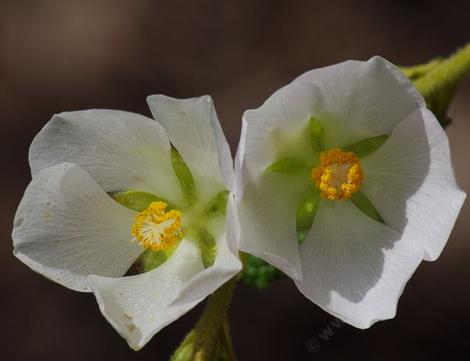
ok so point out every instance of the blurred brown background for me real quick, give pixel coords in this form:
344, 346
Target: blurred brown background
66, 55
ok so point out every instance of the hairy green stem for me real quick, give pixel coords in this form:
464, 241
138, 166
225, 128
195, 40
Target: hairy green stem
438, 85
447, 73
415, 72
211, 333
227, 340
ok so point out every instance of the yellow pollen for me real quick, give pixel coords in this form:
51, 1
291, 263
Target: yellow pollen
156, 229
338, 175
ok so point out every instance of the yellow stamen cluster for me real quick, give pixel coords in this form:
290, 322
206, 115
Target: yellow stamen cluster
338, 175
156, 229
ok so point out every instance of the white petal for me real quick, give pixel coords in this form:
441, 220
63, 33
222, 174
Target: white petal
120, 150
67, 227
361, 99
411, 182
139, 306
353, 267
194, 129
226, 265
267, 214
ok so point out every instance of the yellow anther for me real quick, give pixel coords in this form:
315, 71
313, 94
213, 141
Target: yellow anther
156, 229
338, 175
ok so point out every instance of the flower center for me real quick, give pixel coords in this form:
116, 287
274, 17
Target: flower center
338, 175
156, 229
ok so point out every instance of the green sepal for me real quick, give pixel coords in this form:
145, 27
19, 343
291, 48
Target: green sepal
317, 135
151, 259
288, 165
258, 273
366, 146
136, 200
185, 177
206, 244
217, 206
306, 211
365, 205
148, 261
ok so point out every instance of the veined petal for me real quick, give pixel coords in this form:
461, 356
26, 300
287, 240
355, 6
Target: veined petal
354, 267
360, 99
411, 182
67, 227
139, 306
267, 214
226, 265
120, 150
194, 129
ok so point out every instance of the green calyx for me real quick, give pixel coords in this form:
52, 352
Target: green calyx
185, 177
149, 260
137, 200
365, 206
217, 206
366, 146
289, 166
316, 134
206, 243
306, 211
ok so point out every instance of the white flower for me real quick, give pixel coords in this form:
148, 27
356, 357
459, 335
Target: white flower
72, 231
381, 197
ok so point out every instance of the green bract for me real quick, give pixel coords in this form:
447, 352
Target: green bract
148, 261
217, 206
185, 178
137, 200
306, 211
317, 135
288, 165
366, 146
361, 202
206, 244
